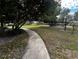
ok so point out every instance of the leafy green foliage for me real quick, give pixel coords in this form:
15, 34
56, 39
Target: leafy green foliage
76, 16
64, 12
15, 12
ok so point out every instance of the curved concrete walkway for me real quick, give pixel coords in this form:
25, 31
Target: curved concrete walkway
36, 48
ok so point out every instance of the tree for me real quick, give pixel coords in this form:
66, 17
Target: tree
15, 12
75, 21
64, 12
51, 13
76, 16
10, 13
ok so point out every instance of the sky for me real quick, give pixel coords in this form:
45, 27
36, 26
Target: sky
71, 4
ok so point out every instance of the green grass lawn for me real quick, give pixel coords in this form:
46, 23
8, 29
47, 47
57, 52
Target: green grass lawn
60, 44
29, 26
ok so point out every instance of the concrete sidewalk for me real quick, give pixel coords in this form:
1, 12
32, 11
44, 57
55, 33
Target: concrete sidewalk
36, 48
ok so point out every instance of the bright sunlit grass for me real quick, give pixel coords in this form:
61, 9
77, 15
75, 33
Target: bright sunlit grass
31, 26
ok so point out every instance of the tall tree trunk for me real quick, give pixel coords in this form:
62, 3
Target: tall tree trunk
73, 28
2, 25
65, 24
65, 27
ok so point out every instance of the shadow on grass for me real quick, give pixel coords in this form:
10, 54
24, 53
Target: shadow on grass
10, 32
14, 49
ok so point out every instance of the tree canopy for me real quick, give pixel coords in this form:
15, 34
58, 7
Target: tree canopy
76, 16
63, 14
15, 12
